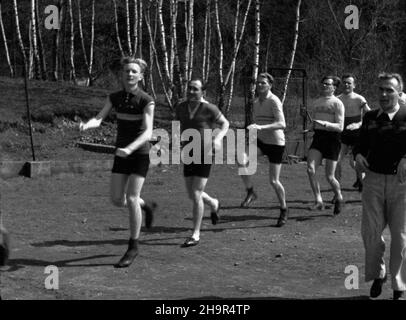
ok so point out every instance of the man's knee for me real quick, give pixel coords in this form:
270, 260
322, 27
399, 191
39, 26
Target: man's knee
311, 170
133, 199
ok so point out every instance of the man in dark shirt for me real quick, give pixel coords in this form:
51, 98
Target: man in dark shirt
381, 154
197, 115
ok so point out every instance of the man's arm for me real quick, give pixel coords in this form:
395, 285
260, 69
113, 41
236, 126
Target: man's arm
96, 121
148, 119
338, 125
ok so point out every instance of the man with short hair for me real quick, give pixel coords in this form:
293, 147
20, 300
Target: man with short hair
196, 113
355, 107
381, 154
328, 123
269, 121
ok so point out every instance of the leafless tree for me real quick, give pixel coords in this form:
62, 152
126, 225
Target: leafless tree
3, 33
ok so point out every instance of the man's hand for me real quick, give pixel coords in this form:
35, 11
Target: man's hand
361, 163
123, 152
254, 126
321, 122
217, 145
402, 171
353, 126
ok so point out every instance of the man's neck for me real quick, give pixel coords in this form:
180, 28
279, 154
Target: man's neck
131, 89
263, 95
393, 109
328, 95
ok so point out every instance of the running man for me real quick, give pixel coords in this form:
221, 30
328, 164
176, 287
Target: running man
269, 121
328, 123
355, 107
135, 114
196, 113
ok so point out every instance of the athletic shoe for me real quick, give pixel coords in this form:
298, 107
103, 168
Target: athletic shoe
190, 242
251, 196
398, 295
283, 217
338, 206
376, 288
149, 213
317, 206
130, 254
214, 215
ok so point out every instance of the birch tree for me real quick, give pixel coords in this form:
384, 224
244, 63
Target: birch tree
206, 43
88, 62
72, 74
3, 34
292, 57
40, 43
248, 109
18, 33
120, 47
56, 42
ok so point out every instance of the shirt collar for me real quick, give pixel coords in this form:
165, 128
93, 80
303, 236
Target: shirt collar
392, 114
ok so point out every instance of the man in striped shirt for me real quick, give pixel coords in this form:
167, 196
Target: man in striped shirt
269, 121
328, 123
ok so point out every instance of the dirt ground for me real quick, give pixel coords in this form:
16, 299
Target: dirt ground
67, 221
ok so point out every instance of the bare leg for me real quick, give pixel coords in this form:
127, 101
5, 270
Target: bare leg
134, 188
274, 173
314, 158
195, 187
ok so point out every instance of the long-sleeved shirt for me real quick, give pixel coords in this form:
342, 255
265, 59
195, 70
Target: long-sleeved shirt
382, 140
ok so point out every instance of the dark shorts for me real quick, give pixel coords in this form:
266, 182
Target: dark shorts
272, 151
135, 164
196, 170
350, 137
328, 143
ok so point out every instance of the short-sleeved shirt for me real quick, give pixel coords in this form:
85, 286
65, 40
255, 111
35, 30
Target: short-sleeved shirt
353, 103
325, 108
267, 112
130, 110
205, 117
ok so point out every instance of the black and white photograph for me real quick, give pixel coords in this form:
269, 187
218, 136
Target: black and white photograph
203, 158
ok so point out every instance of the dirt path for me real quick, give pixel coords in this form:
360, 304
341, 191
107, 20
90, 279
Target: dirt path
67, 221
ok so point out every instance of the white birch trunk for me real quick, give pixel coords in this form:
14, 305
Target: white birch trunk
120, 47
292, 58
3, 34
72, 43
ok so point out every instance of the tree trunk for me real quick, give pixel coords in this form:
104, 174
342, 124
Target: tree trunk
164, 50
56, 44
292, 57
140, 29
161, 77
20, 40
192, 39
3, 33
249, 106
37, 62
44, 75
127, 18
237, 43
135, 35
117, 29
72, 43
220, 97
206, 41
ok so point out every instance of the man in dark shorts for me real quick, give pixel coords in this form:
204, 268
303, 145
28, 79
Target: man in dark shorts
355, 107
135, 114
269, 121
328, 123
197, 114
